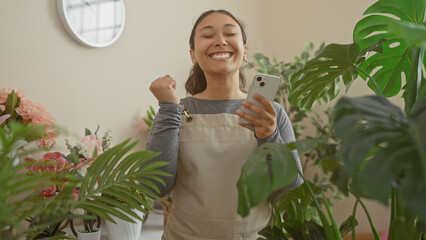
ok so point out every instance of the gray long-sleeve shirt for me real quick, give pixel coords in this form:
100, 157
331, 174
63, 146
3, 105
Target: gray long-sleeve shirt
165, 129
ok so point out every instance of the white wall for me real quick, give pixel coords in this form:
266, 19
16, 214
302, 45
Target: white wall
82, 87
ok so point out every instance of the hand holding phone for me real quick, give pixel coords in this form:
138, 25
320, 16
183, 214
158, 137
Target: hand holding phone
264, 85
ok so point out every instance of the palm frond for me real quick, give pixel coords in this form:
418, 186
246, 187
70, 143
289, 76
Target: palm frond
115, 174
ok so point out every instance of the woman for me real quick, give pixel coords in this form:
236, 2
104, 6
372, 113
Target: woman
207, 146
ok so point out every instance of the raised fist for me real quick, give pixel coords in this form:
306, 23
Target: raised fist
164, 89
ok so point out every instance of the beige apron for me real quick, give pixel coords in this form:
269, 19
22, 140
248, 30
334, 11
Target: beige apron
212, 150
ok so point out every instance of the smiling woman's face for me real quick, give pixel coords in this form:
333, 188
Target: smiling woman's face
218, 45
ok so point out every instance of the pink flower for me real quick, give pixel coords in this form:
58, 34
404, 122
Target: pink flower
82, 162
140, 124
4, 118
51, 162
48, 192
75, 194
4, 92
49, 139
91, 143
34, 113
55, 162
30, 161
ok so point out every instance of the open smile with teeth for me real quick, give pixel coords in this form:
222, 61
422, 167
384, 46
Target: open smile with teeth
222, 55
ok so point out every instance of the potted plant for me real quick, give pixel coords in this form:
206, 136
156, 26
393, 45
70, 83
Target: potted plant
22, 122
126, 229
383, 147
375, 132
288, 207
55, 183
81, 156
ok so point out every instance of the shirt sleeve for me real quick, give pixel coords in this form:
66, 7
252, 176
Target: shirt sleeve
163, 138
284, 134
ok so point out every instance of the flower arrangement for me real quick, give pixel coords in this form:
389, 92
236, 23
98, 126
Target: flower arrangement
15, 107
88, 149
56, 170
100, 179
83, 154
76, 163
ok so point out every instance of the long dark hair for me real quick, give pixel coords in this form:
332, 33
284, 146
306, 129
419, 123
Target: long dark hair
196, 82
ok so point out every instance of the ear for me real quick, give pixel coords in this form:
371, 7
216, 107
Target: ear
245, 53
191, 52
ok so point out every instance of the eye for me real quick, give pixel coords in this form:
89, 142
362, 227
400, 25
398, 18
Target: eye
207, 36
231, 34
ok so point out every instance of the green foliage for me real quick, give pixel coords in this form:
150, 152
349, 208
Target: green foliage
320, 77
264, 173
387, 68
324, 156
115, 174
12, 102
325, 70
264, 64
150, 115
382, 149
295, 222
17, 189
375, 122
269, 168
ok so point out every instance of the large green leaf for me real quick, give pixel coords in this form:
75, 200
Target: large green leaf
414, 34
372, 123
415, 82
320, 76
269, 168
12, 102
387, 68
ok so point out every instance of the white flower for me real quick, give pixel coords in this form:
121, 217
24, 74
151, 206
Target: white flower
83, 170
84, 151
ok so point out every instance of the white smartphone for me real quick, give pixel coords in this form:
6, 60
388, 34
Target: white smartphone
264, 85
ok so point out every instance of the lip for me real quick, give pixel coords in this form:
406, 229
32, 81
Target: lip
222, 55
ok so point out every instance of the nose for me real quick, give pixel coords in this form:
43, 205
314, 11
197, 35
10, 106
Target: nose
220, 41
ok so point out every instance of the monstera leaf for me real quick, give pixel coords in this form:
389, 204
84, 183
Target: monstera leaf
320, 76
387, 68
269, 168
414, 34
372, 124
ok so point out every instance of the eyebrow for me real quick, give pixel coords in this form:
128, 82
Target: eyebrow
210, 27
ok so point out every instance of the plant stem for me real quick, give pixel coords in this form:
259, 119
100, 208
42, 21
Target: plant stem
372, 80
353, 222
376, 234
328, 232
330, 215
394, 213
